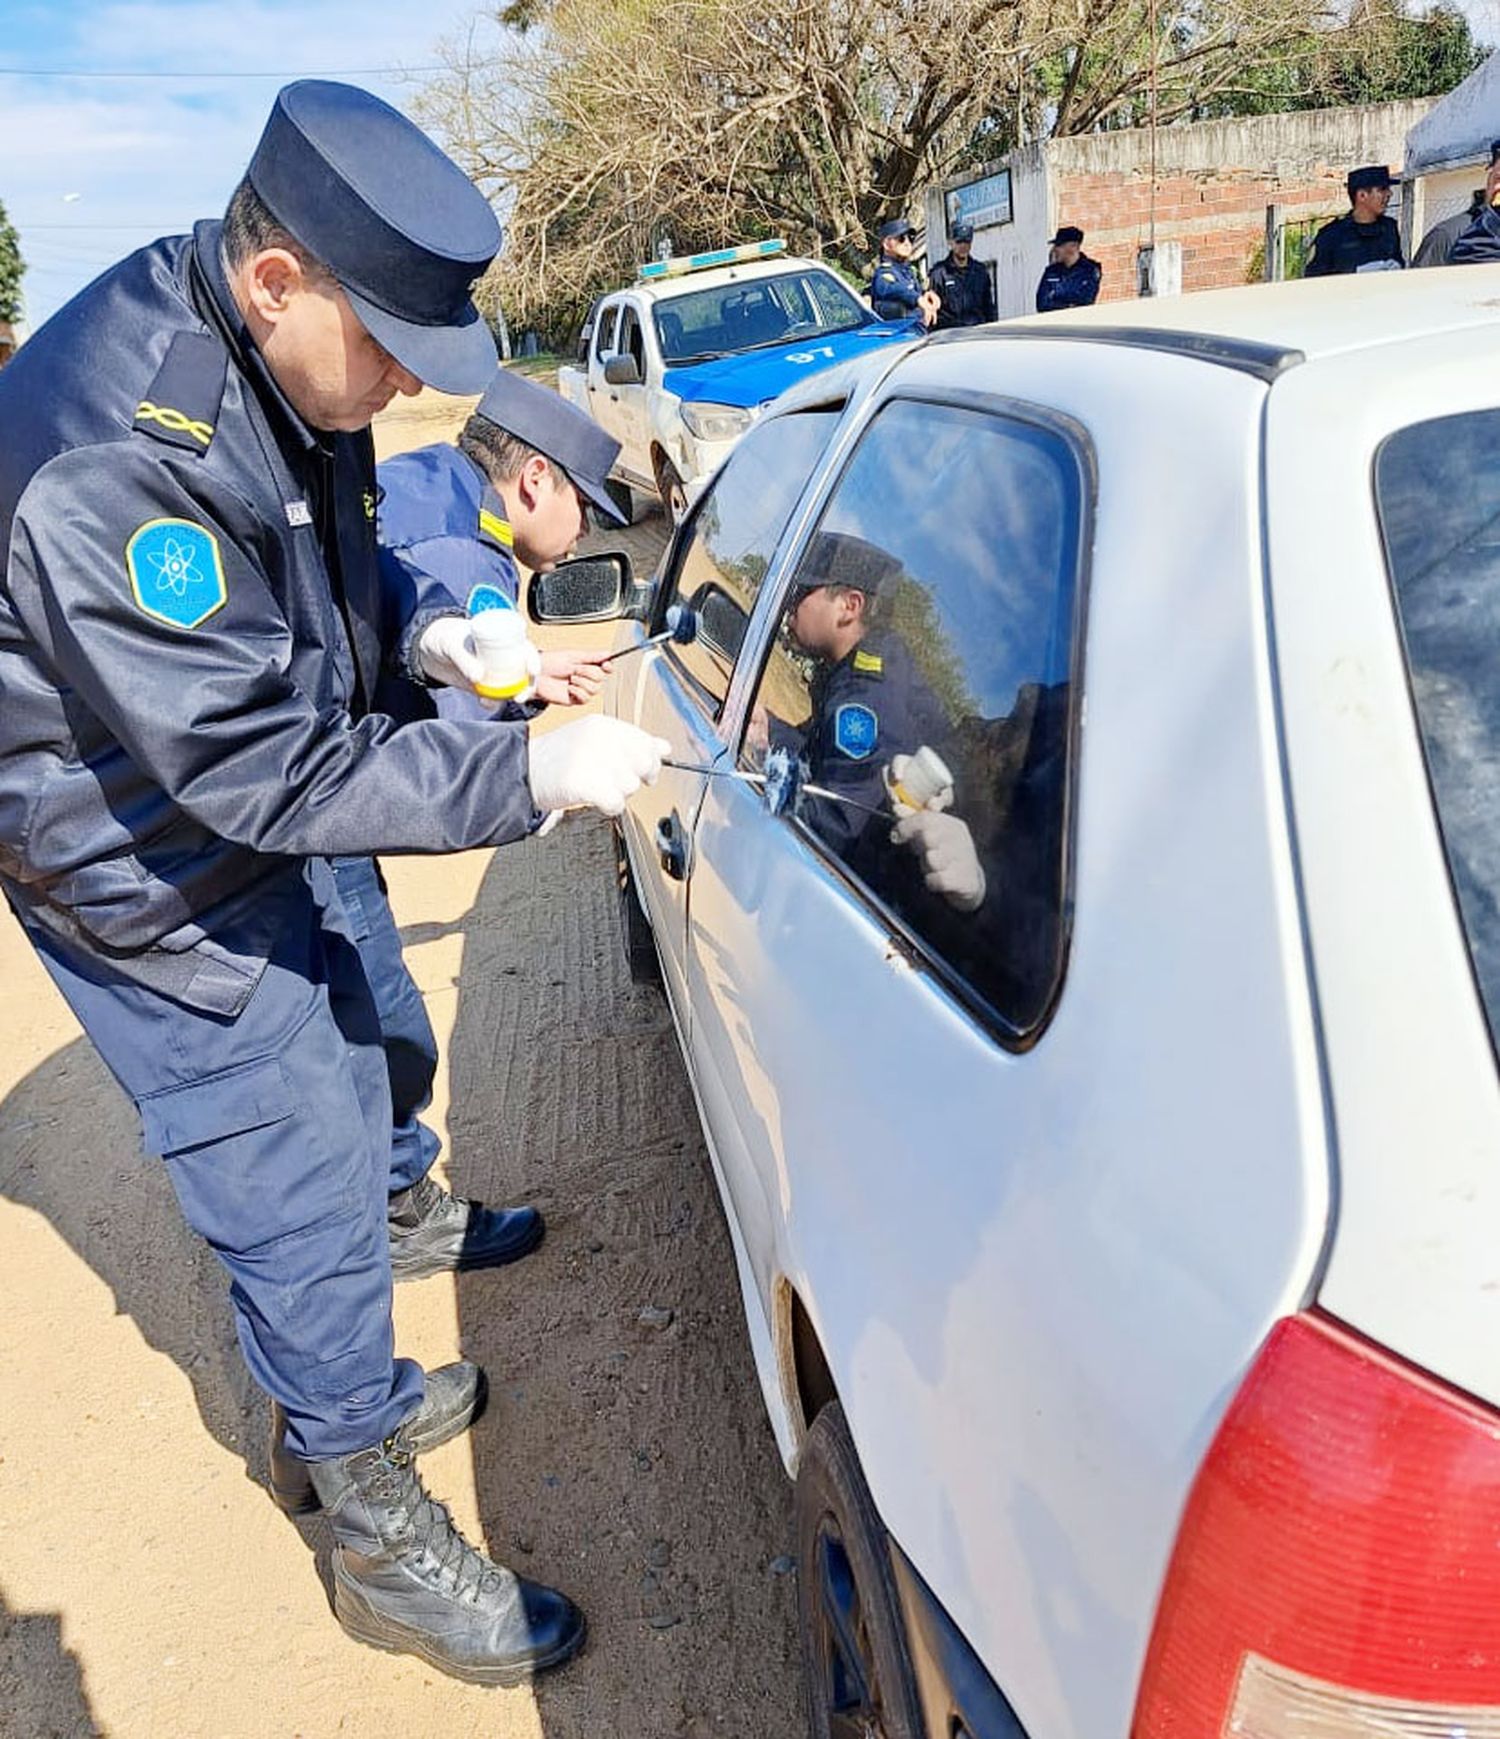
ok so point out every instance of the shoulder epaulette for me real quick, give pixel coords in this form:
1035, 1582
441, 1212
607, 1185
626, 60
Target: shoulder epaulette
181, 406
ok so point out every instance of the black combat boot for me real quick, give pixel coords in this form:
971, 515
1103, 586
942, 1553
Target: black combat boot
453, 1397
435, 1233
406, 1580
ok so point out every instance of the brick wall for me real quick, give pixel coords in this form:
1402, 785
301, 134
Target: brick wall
1219, 217
1214, 180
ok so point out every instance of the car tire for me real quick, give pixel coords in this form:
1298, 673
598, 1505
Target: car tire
672, 490
635, 929
857, 1670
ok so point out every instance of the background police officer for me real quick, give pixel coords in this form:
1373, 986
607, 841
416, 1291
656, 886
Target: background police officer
190, 650
962, 284
1364, 239
896, 291
1437, 245
1070, 279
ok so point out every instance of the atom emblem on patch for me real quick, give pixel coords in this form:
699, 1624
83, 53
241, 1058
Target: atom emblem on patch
175, 572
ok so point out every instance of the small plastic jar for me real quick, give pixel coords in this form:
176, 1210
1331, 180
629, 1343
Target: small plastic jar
499, 638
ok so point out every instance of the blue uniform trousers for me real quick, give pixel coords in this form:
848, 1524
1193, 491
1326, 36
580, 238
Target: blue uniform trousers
406, 1032
275, 1127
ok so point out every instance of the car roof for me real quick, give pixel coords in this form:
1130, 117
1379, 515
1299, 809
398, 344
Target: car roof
1298, 321
664, 289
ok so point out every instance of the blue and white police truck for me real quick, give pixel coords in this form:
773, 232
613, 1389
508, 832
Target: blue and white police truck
680, 364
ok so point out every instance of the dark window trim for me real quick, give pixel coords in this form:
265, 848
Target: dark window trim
1080, 448
1267, 362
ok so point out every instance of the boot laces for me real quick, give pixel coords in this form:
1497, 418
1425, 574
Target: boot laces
463, 1569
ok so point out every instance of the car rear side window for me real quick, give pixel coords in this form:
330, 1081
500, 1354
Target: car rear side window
726, 547
1442, 542
925, 676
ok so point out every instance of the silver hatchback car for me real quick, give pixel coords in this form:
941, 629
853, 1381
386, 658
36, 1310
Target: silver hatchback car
1077, 889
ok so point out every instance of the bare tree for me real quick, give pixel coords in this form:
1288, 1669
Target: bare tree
606, 124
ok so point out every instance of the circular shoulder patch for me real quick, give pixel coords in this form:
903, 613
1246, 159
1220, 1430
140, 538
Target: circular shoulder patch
855, 731
175, 571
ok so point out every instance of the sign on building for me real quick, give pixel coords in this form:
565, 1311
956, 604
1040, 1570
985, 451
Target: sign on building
980, 203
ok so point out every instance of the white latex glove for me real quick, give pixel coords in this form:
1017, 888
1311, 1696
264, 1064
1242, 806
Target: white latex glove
596, 763
447, 656
950, 864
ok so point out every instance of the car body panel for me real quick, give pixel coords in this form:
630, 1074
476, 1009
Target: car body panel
1038, 1276
916, 1183
1412, 1080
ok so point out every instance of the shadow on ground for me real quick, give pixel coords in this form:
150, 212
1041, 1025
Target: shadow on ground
625, 1456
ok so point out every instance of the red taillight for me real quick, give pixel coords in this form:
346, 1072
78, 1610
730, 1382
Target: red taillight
1337, 1572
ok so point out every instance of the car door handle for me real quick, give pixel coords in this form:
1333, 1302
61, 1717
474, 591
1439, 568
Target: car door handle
672, 846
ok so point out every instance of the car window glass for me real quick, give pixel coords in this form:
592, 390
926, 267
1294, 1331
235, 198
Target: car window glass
745, 313
922, 676
1442, 542
604, 331
724, 551
586, 333
631, 343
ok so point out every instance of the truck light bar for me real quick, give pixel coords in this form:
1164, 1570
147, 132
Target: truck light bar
676, 267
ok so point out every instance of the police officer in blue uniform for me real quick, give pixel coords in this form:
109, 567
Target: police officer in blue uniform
896, 291
451, 519
191, 649
961, 284
1364, 239
869, 701
1070, 279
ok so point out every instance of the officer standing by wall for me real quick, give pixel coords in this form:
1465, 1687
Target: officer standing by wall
896, 291
1070, 279
190, 642
962, 284
1437, 245
1364, 239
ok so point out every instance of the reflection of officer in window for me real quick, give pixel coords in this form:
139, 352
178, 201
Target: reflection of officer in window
871, 711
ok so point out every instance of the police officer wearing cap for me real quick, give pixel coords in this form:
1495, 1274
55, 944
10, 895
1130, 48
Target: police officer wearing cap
1364, 239
1437, 245
451, 520
1070, 279
895, 290
962, 284
526, 470
193, 653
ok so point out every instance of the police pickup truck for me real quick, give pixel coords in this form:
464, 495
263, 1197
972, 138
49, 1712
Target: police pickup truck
679, 365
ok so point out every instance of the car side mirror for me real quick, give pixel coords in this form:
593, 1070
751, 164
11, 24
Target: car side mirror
597, 588
622, 371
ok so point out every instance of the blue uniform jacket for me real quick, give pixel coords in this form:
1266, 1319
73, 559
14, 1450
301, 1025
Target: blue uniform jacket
895, 289
1075, 286
871, 705
193, 644
442, 530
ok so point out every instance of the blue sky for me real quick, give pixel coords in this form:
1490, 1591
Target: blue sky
93, 166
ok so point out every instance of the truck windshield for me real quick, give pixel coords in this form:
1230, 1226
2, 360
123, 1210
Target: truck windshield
754, 313
1442, 542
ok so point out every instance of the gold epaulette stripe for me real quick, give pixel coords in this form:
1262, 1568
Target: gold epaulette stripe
146, 412
497, 528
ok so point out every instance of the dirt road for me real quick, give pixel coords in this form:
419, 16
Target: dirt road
149, 1590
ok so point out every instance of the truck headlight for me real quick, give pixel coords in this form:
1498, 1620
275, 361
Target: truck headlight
710, 422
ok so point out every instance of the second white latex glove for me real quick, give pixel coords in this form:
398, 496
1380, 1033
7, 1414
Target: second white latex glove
596, 763
950, 864
448, 656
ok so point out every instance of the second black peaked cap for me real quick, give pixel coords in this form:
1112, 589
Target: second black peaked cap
399, 224
556, 429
